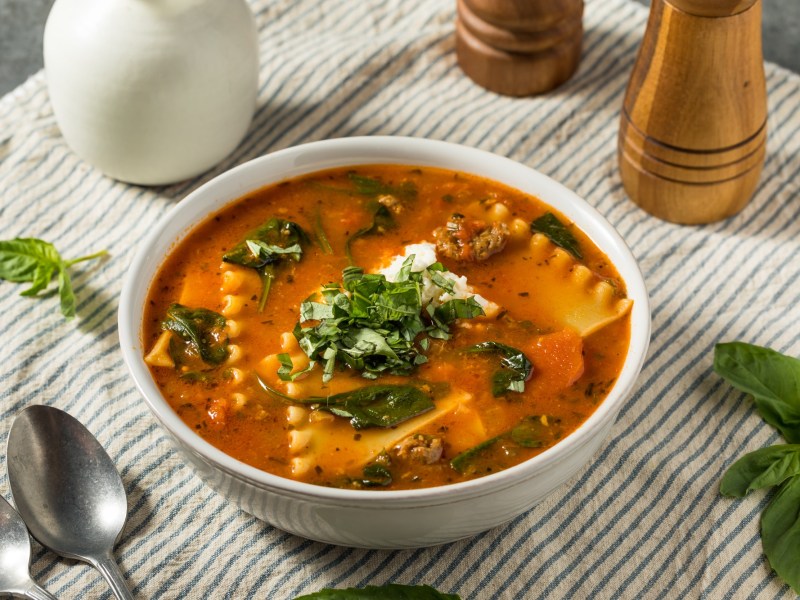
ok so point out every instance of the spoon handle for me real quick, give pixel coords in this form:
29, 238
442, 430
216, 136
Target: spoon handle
109, 569
36, 592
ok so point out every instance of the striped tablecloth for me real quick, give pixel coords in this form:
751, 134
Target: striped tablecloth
645, 520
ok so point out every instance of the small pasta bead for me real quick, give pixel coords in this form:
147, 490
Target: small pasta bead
233, 305
299, 439
235, 354
237, 375
519, 229
296, 415
232, 280
320, 416
300, 465
289, 342
238, 401
234, 328
498, 212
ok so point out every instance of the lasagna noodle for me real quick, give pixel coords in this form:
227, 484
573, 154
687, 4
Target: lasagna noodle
585, 302
332, 445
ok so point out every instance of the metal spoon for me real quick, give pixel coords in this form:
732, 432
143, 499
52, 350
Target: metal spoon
67, 489
15, 557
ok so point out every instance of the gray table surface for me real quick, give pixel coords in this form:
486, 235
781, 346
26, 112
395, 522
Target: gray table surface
22, 24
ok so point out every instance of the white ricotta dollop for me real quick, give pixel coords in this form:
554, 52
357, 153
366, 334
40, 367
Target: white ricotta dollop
424, 256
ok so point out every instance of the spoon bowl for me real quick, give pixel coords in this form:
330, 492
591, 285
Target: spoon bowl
15, 556
67, 489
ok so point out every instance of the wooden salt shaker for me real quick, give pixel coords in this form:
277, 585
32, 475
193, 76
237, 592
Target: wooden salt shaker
519, 47
693, 130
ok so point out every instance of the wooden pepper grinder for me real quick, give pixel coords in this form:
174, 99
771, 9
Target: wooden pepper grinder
693, 130
519, 47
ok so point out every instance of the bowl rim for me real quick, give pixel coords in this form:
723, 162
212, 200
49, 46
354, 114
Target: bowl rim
287, 163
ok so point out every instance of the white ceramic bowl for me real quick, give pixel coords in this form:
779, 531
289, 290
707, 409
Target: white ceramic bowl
382, 519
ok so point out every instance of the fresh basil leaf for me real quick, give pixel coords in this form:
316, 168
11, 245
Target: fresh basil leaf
780, 532
772, 378
267, 247
515, 369
21, 257
203, 332
36, 261
549, 225
389, 591
766, 467
66, 295
42, 275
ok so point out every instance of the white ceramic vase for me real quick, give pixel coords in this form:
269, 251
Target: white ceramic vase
152, 91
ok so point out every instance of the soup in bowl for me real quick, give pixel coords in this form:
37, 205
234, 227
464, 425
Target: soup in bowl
384, 342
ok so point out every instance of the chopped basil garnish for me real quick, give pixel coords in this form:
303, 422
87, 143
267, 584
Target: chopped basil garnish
376, 326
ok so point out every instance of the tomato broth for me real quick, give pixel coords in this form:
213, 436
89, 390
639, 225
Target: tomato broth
526, 337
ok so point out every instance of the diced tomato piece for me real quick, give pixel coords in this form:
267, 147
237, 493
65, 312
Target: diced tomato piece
558, 357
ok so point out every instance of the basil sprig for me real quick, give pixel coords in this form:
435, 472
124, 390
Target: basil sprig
34, 261
773, 380
374, 325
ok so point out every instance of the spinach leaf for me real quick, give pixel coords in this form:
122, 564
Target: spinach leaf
515, 369
382, 220
772, 378
202, 332
533, 431
319, 233
549, 225
369, 406
376, 475
381, 217
264, 249
376, 405
389, 591
369, 186
780, 532
766, 467
34, 261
